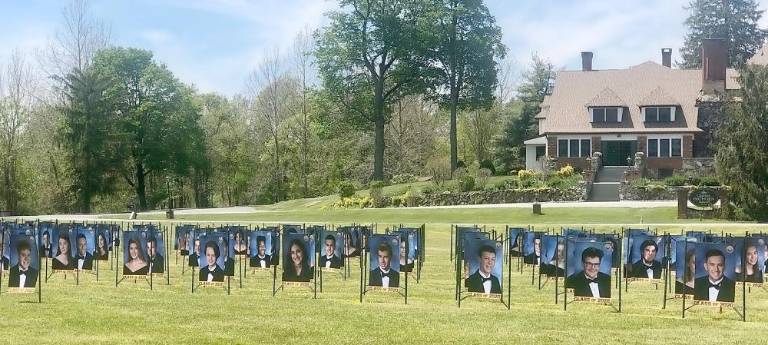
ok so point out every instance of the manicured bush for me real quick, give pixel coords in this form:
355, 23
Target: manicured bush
675, 181
346, 189
466, 183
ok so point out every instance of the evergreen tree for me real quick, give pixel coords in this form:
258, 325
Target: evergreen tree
522, 125
741, 157
734, 20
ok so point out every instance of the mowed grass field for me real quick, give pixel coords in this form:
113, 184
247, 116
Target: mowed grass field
97, 312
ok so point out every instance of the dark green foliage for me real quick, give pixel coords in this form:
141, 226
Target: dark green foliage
466, 183
370, 55
521, 126
676, 180
464, 43
741, 158
488, 164
87, 130
735, 20
346, 189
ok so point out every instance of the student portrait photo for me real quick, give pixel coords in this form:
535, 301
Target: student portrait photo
46, 243
407, 250
685, 266
332, 248
385, 267
156, 252
484, 258
299, 254
353, 242
590, 262
515, 236
552, 256
715, 272
532, 248
193, 247
82, 247
239, 244
101, 252
135, 254
24, 262
212, 260
261, 249
645, 257
62, 257
228, 253
754, 260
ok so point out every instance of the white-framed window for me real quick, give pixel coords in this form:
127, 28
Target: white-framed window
606, 114
573, 148
659, 114
665, 147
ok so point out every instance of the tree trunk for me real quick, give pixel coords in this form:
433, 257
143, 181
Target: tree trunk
378, 144
278, 171
452, 134
141, 192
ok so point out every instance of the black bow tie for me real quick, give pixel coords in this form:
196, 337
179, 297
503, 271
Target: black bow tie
716, 286
486, 279
385, 274
590, 281
22, 272
648, 267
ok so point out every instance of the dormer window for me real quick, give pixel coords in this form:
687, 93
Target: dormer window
659, 114
606, 114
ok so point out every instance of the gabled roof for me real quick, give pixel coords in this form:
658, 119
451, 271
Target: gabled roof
566, 110
606, 98
658, 97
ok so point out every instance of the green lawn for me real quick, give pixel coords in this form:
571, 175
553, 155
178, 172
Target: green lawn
498, 215
100, 313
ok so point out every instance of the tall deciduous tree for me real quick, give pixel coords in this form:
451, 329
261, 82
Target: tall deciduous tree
371, 54
741, 144
521, 126
734, 20
467, 43
273, 94
16, 101
150, 107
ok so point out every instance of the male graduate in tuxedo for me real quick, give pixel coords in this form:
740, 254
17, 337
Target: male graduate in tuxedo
211, 272
329, 259
261, 259
384, 275
647, 266
156, 261
84, 259
482, 280
590, 282
23, 275
715, 286
535, 257
45, 247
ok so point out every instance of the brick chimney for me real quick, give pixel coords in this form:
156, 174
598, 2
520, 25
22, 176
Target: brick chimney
586, 61
714, 61
666, 57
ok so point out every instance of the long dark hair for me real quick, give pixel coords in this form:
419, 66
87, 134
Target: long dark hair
142, 255
304, 257
101, 235
69, 244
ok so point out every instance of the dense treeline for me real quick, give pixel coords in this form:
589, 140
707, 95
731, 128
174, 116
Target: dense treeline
98, 127
387, 90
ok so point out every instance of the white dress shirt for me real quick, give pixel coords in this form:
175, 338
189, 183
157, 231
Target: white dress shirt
714, 292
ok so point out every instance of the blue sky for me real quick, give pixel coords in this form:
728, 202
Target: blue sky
215, 43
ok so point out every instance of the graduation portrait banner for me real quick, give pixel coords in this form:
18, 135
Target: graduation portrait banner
24, 260
135, 258
588, 268
299, 257
262, 248
331, 247
383, 264
484, 259
715, 272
